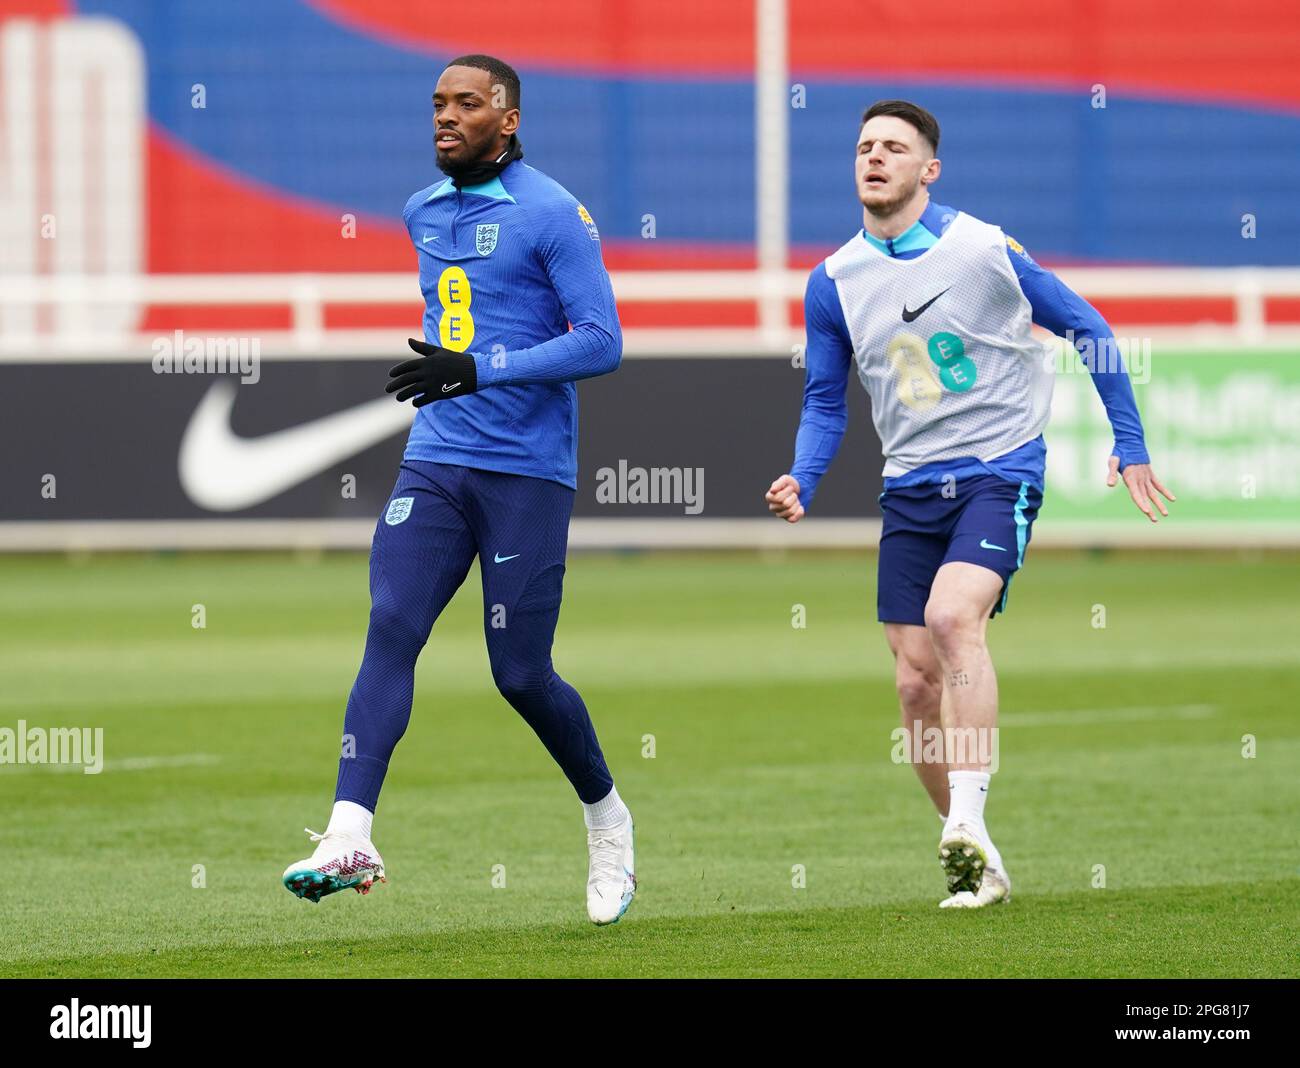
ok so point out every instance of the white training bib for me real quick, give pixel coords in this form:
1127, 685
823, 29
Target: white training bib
944, 347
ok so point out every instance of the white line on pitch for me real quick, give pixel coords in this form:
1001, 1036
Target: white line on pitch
1133, 714
139, 763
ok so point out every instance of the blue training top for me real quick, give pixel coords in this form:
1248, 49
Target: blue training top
506, 268
1055, 307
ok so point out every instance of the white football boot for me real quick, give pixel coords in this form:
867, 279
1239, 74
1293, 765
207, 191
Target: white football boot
974, 869
995, 887
341, 862
611, 881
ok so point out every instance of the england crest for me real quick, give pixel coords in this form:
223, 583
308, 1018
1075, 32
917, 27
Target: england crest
398, 509
485, 238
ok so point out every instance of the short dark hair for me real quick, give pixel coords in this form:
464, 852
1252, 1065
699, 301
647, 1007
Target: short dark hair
926, 124
502, 73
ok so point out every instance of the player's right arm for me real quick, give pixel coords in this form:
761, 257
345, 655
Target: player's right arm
828, 355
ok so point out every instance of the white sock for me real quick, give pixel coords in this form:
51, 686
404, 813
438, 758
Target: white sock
351, 819
608, 812
967, 791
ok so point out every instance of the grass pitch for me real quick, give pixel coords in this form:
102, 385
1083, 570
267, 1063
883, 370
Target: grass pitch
1121, 760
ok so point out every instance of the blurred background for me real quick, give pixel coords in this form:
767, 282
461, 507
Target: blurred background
236, 172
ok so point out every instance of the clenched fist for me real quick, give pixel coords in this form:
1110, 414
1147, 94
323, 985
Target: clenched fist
783, 499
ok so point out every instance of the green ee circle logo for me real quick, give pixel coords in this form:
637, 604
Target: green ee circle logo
948, 353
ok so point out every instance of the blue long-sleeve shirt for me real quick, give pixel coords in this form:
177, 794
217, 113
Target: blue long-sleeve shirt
511, 273
1056, 307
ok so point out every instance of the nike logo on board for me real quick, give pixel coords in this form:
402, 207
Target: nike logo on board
224, 472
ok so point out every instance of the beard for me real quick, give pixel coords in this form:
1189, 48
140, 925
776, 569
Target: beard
887, 206
474, 169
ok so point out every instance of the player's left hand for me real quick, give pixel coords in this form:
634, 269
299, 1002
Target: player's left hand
1142, 487
436, 374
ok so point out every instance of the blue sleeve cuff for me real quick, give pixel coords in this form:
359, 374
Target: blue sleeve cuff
1131, 453
487, 374
807, 487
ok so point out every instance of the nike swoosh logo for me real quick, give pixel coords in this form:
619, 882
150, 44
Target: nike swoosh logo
984, 544
908, 316
428, 237
448, 389
224, 472
497, 558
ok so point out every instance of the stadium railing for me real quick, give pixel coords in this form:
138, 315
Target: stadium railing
1247, 307
1255, 306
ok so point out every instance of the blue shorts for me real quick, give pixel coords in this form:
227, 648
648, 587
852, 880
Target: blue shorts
985, 520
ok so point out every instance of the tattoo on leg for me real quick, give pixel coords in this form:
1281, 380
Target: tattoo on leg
958, 678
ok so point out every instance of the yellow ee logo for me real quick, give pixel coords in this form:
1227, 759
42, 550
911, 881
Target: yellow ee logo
456, 329
923, 368
914, 378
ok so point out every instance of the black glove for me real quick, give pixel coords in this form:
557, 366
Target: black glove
436, 374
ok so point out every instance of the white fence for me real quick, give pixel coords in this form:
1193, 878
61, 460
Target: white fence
76, 303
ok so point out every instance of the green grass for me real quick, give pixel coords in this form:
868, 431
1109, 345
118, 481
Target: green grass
1121, 747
